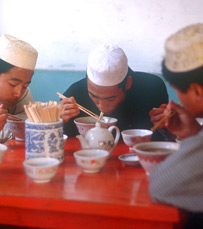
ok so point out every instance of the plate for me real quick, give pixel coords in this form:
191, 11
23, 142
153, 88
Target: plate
65, 137
130, 159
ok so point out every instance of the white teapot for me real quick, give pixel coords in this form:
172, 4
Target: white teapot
100, 138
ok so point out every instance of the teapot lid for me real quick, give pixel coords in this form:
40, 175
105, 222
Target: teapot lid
98, 124
97, 129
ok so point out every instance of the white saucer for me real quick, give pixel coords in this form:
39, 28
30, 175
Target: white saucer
65, 137
130, 159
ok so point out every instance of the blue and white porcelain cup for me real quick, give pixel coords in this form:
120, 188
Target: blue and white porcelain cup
44, 140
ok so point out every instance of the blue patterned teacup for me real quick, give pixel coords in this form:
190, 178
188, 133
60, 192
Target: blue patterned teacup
44, 140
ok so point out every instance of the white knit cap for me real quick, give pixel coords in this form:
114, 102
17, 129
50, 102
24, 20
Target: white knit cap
17, 52
107, 65
184, 49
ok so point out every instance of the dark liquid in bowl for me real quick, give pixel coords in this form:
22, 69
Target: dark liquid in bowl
92, 122
159, 150
89, 122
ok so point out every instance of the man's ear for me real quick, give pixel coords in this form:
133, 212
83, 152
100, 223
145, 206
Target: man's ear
197, 90
129, 82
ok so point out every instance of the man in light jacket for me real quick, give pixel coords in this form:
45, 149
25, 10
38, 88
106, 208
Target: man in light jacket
17, 64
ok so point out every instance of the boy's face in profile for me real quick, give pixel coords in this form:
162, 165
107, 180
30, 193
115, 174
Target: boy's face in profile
13, 85
192, 99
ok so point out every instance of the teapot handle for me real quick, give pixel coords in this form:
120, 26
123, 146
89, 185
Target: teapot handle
111, 128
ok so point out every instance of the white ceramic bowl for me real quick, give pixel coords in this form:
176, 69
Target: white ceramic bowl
152, 153
41, 170
3, 149
83, 124
91, 160
17, 128
200, 121
135, 136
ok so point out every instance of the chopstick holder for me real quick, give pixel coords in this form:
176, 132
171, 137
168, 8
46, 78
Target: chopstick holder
44, 112
27, 111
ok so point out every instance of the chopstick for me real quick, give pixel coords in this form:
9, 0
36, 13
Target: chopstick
170, 114
81, 108
15, 118
101, 116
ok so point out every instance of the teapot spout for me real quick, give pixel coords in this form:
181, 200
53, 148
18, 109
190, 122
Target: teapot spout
84, 144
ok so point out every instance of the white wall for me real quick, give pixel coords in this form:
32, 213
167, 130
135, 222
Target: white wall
64, 32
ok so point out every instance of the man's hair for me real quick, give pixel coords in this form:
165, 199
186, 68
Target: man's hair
4, 66
183, 80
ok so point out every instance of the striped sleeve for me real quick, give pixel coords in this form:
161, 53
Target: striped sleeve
179, 179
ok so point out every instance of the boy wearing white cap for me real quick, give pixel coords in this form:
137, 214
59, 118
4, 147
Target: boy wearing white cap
113, 88
179, 179
17, 63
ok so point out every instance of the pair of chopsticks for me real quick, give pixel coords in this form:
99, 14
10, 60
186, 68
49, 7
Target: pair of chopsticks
14, 118
98, 118
170, 114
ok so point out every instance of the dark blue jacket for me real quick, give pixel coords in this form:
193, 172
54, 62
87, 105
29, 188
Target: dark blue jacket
147, 91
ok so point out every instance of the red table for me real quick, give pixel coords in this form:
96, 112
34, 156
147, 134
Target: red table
117, 197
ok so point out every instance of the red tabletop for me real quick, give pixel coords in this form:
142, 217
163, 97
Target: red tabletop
116, 197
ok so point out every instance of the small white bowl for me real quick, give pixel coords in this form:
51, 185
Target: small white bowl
41, 170
91, 160
135, 136
83, 124
3, 149
200, 121
17, 128
152, 153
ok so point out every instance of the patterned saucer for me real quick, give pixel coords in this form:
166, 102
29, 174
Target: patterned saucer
130, 159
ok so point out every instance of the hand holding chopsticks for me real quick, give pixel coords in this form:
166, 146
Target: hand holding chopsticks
10, 116
83, 109
170, 114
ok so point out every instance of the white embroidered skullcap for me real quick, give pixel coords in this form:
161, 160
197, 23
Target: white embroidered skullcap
184, 49
17, 52
107, 65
